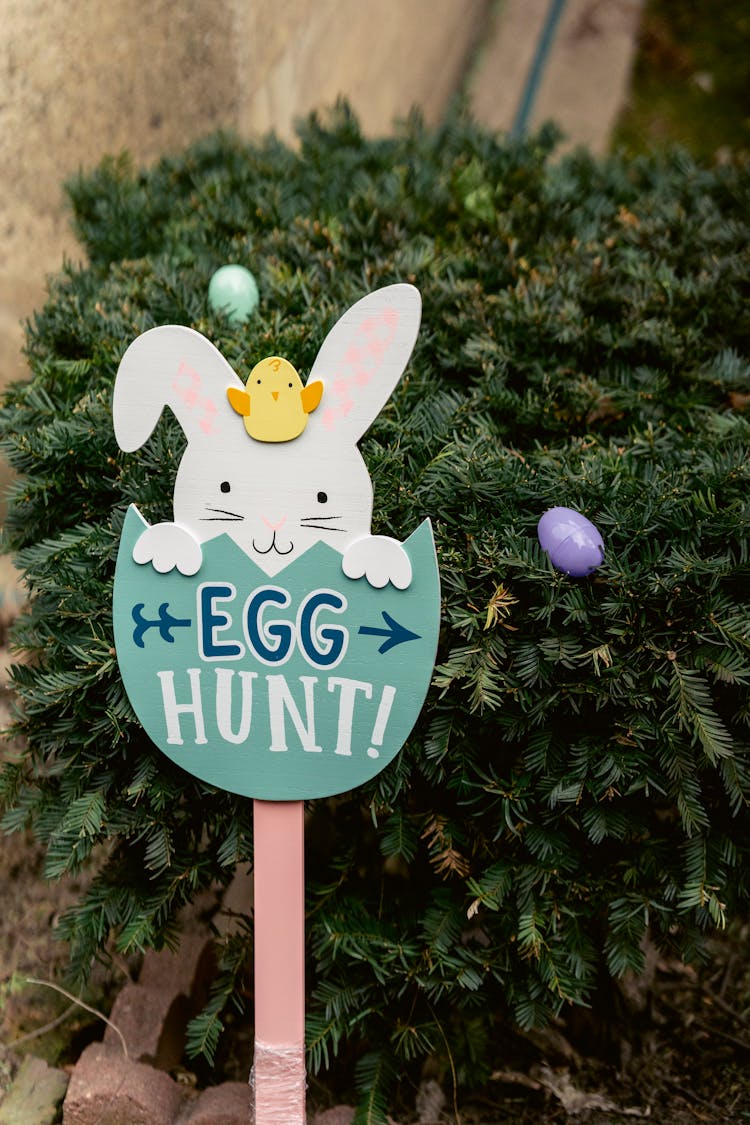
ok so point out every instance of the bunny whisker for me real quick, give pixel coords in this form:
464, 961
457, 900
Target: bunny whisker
222, 514
323, 527
318, 519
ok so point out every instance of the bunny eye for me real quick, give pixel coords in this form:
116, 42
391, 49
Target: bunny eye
322, 497
225, 486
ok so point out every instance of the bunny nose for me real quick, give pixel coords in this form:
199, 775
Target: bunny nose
275, 395
274, 526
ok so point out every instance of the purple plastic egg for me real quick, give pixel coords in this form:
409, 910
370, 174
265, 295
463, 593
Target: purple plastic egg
572, 542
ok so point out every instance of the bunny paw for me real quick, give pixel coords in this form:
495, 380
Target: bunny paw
166, 546
380, 560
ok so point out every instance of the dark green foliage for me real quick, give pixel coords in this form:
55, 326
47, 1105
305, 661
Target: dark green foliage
580, 774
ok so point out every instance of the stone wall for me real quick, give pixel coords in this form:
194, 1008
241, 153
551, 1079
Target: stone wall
86, 77
82, 78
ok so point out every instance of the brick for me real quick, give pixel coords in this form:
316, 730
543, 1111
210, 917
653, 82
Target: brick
35, 1095
152, 1021
152, 1014
338, 1115
180, 971
110, 1089
236, 901
231, 1103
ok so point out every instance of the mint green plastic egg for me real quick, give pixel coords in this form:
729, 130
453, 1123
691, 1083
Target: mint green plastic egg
233, 290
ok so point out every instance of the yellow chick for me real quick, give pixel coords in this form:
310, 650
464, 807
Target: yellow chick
274, 405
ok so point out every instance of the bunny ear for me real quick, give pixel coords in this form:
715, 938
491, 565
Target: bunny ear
362, 359
176, 367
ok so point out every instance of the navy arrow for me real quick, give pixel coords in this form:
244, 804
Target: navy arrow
395, 634
164, 623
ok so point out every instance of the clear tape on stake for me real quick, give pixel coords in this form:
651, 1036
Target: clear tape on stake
278, 1082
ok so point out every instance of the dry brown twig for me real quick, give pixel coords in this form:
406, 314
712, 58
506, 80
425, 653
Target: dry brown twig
76, 1000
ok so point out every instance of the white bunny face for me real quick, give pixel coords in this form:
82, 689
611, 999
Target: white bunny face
275, 502
274, 498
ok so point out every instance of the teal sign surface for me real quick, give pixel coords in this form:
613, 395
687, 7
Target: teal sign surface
294, 686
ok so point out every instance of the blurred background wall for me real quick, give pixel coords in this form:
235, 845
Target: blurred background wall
82, 78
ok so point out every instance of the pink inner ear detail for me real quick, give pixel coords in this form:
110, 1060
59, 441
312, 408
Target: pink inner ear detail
361, 360
207, 421
187, 385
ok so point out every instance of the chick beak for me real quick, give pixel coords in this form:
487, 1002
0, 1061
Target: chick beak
275, 396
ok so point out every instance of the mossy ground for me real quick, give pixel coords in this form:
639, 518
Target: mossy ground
691, 82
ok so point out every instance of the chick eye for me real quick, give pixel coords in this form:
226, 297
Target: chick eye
322, 497
225, 486
289, 384
259, 382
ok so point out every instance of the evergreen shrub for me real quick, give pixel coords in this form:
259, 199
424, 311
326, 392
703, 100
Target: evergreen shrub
579, 777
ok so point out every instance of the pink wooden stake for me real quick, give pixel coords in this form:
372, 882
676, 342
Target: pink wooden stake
279, 877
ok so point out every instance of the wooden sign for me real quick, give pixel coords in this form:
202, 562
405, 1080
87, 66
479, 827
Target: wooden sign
269, 644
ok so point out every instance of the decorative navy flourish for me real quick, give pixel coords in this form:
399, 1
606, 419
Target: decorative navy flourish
165, 622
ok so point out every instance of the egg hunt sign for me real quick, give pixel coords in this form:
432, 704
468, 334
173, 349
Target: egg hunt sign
268, 643
281, 689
